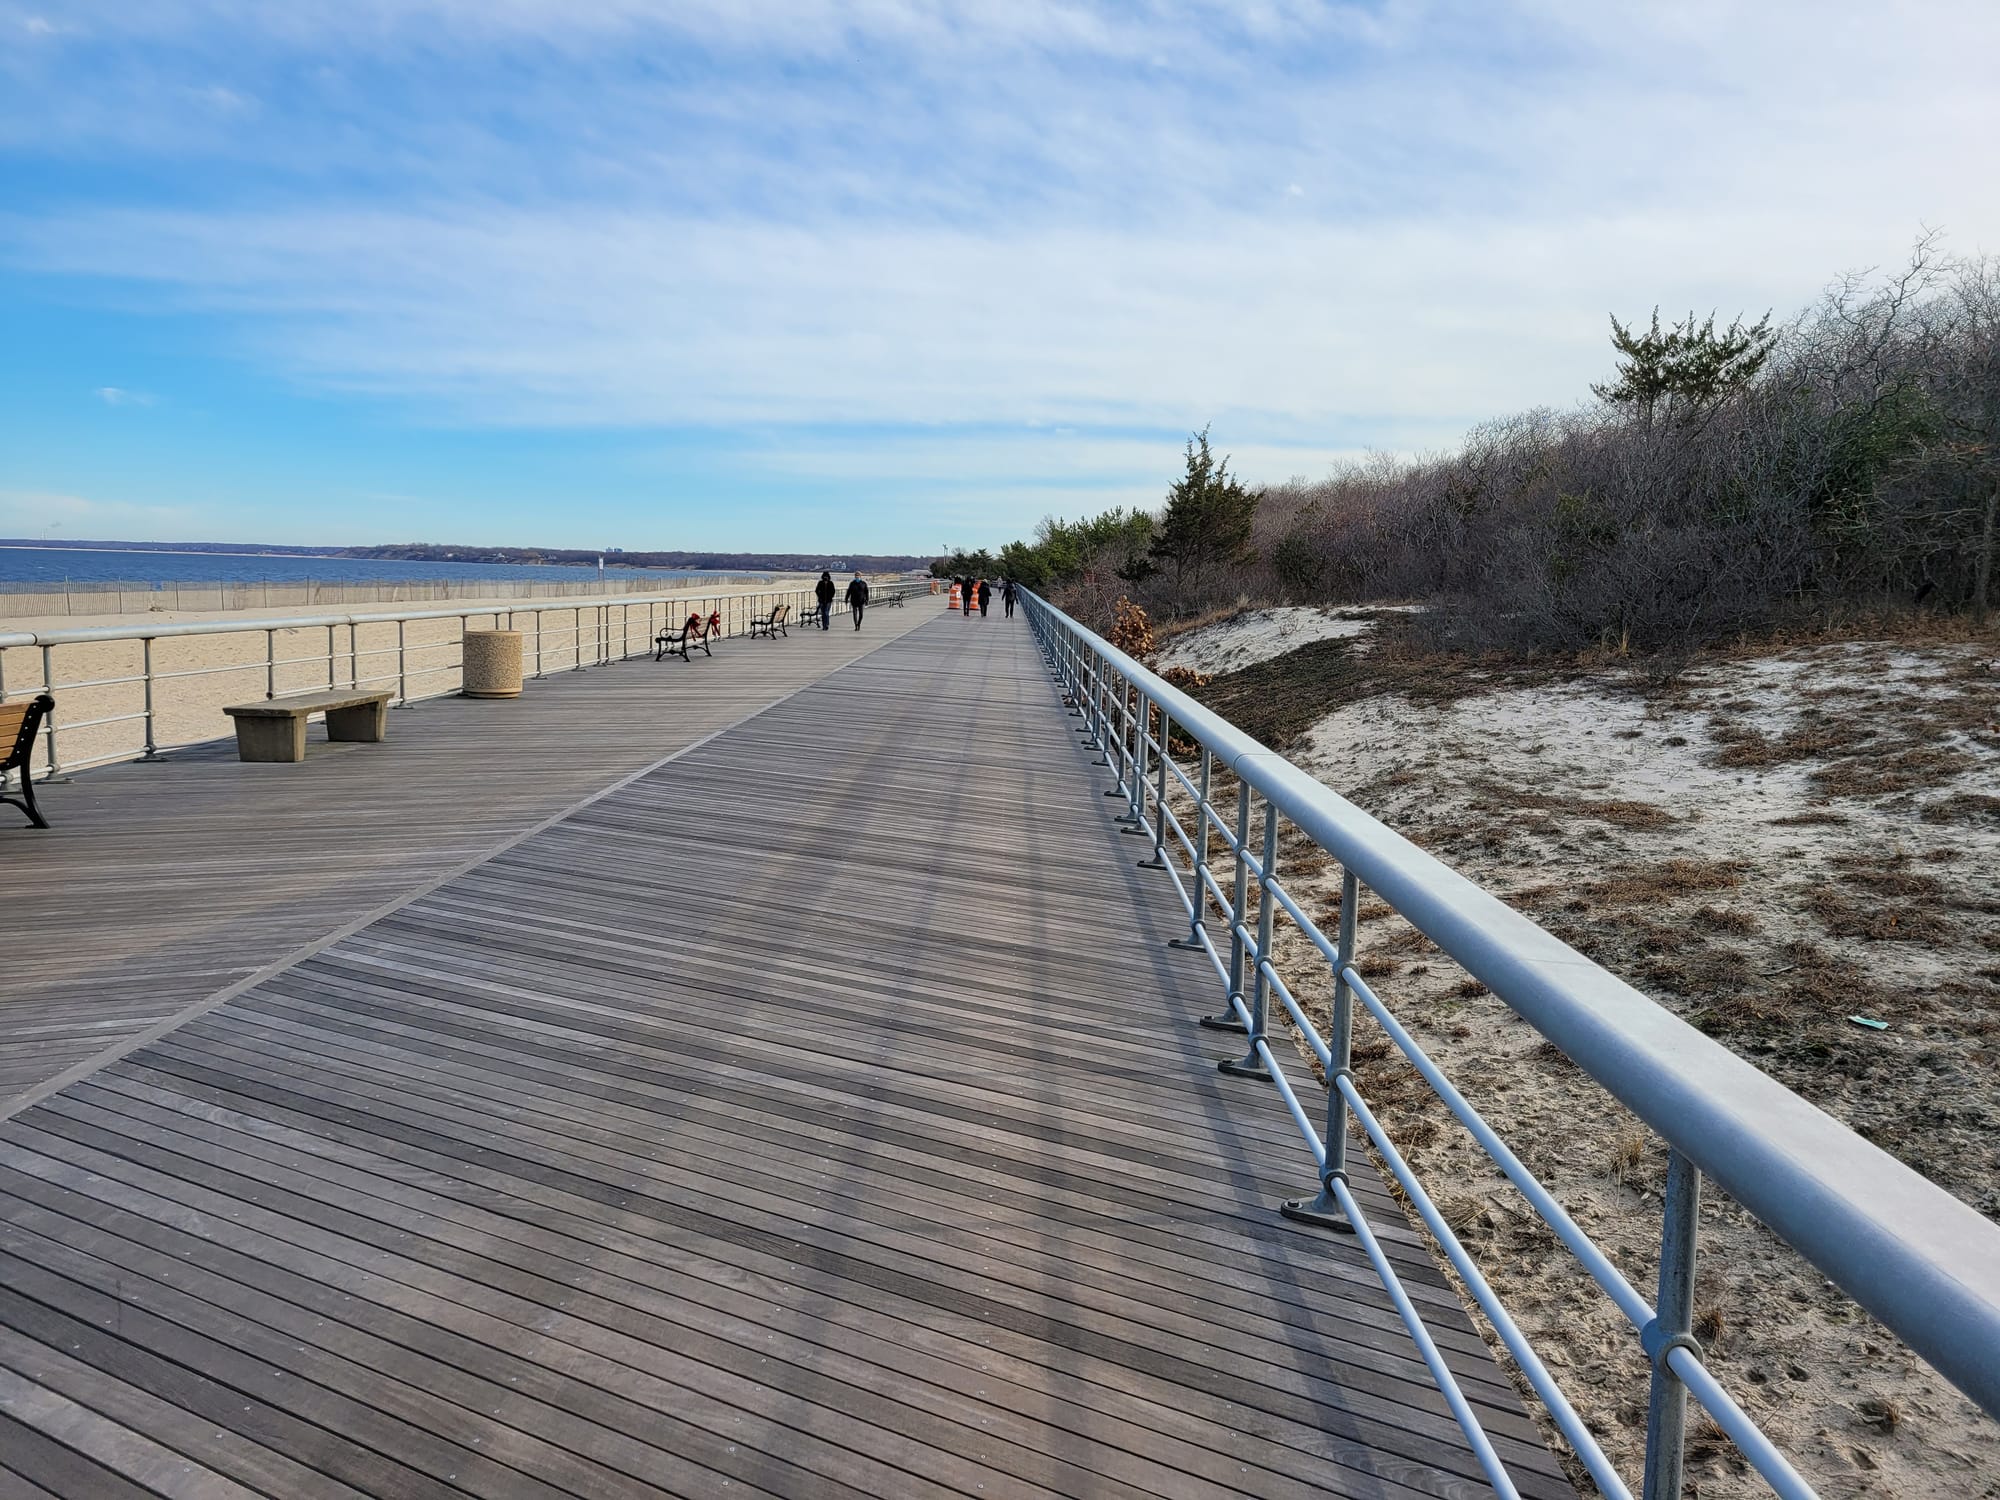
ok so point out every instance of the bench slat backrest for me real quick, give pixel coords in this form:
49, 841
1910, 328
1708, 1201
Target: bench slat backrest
18, 723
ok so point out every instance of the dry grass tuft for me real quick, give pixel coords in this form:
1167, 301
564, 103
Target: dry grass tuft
1883, 1413
1882, 899
1464, 1213
1727, 919
1963, 807
1628, 1156
1710, 1324
1879, 776
1495, 797
1669, 879
1813, 818
1742, 747
1707, 1443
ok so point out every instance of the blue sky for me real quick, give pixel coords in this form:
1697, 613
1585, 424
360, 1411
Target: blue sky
889, 274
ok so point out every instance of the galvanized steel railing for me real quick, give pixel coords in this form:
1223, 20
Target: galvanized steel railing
588, 632
1924, 1263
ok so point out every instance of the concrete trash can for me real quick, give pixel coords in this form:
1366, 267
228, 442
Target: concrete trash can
492, 667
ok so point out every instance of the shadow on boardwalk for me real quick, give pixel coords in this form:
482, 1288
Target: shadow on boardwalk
819, 1114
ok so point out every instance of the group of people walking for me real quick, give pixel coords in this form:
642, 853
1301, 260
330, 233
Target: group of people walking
965, 592
857, 598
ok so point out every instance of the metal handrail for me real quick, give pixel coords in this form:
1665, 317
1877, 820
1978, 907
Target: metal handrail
1924, 1263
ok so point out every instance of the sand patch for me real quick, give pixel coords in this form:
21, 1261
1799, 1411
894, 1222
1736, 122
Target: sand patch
1257, 635
1767, 847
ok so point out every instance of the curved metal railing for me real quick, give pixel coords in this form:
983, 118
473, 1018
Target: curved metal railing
1924, 1263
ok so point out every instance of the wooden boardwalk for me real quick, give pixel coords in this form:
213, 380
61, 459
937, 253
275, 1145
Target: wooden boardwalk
819, 1114
164, 882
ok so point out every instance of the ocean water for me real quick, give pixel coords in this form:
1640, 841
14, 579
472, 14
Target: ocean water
40, 568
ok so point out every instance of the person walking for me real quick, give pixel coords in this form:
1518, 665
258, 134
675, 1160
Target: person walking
971, 588
823, 591
857, 597
1007, 597
985, 597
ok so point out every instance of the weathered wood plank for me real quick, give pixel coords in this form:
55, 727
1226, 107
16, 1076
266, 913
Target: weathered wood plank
820, 1113
168, 881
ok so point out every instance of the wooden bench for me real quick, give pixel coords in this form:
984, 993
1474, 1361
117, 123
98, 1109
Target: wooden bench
695, 632
772, 625
18, 725
275, 729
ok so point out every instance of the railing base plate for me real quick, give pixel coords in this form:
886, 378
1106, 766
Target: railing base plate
1152, 864
1192, 945
1219, 1023
1308, 1211
1244, 1070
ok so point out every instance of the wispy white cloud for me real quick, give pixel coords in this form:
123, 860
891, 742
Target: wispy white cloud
33, 512
921, 223
113, 395
1392, 335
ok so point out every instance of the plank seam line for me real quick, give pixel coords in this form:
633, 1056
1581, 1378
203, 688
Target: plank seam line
299, 955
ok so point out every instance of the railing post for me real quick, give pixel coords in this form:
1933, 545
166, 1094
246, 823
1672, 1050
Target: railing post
538, 645
1199, 874
1228, 1020
1158, 859
402, 666
1325, 1210
1672, 1327
1252, 1064
1117, 757
576, 643
1095, 717
270, 664
53, 765
146, 667
331, 652
1135, 814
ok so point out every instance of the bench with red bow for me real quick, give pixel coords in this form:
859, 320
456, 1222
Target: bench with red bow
694, 631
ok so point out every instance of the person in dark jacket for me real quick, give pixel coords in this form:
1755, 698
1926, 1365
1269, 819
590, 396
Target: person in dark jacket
985, 597
1007, 597
857, 597
823, 591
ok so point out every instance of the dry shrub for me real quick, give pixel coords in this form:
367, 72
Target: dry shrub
1131, 631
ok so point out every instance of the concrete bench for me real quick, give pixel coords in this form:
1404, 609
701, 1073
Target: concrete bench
275, 729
